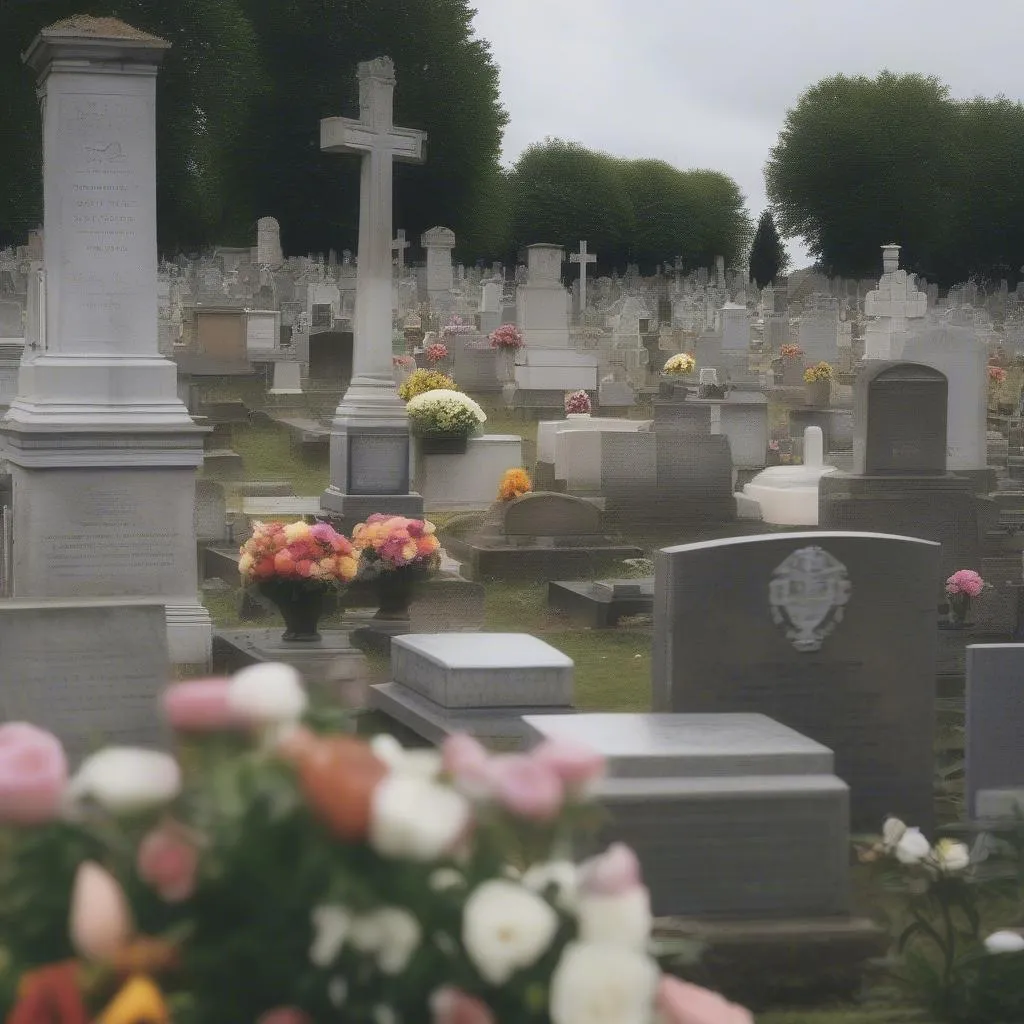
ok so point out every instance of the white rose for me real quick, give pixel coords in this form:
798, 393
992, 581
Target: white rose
623, 919
331, 925
1005, 942
445, 878
912, 847
562, 874
951, 856
268, 694
391, 934
415, 818
892, 832
506, 928
125, 780
425, 763
597, 984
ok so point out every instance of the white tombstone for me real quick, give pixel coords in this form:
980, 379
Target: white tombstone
287, 378
371, 454
439, 243
102, 451
891, 306
262, 332
734, 321
268, 242
490, 306
542, 303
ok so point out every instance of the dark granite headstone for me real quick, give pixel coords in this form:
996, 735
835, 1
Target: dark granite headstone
901, 420
995, 719
831, 634
330, 356
548, 514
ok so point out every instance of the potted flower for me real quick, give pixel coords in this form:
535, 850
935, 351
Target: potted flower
296, 566
790, 366
818, 381
577, 405
961, 588
514, 484
422, 380
507, 339
444, 420
436, 353
678, 369
397, 554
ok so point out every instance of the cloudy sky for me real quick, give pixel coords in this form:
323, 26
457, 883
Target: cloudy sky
707, 83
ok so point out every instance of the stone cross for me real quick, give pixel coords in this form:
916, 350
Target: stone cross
378, 143
399, 244
583, 258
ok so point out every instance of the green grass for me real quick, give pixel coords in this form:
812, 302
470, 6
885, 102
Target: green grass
267, 454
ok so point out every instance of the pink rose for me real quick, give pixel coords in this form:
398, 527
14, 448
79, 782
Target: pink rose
614, 872
33, 774
201, 706
682, 1003
453, 1006
965, 581
167, 860
575, 764
526, 787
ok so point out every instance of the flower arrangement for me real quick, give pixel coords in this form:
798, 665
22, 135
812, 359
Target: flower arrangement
394, 542
941, 958
996, 376
444, 411
436, 352
296, 553
682, 363
507, 336
790, 351
961, 588
514, 484
456, 325
819, 373
577, 403
288, 872
420, 381
403, 362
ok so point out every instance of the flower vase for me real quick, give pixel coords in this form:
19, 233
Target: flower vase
444, 444
301, 606
819, 392
507, 364
958, 607
395, 591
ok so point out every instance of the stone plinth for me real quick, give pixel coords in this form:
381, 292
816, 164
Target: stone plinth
470, 480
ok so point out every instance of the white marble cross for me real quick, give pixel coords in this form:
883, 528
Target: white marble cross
399, 244
583, 258
378, 142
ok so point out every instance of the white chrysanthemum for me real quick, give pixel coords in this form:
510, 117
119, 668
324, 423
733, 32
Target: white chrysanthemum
506, 928
268, 694
912, 847
331, 926
416, 818
126, 780
623, 919
445, 412
602, 984
390, 934
1005, 942
562, 874
951, 856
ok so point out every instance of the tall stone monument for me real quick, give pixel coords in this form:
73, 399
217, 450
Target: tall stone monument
890, 306
371, 454
102, 452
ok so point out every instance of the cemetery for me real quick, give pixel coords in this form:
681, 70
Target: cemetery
364, 581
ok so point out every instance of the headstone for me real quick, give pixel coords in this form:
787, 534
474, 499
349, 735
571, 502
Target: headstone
90, 671
102, 451
994, 747
268, 242
287, 378
731, 815
221, 336
371, 427
542, 302
439, 243
895, 302
480, 683
831, 634
262, 332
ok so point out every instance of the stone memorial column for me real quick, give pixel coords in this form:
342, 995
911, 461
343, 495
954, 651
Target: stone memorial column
101, 449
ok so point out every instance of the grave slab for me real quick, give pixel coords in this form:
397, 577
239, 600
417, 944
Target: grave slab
330, 660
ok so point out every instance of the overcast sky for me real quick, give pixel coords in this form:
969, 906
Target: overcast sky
707, 83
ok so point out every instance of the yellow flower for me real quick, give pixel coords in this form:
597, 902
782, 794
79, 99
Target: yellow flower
139, 1002
296, 531
514, 484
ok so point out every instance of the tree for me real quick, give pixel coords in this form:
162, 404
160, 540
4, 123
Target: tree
768, 256
204, 91
447, 85
861, 162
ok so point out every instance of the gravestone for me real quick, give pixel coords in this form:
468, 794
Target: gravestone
831, 634
731, 815
481, 683
89, 671
994, 748
331, 357
542, 302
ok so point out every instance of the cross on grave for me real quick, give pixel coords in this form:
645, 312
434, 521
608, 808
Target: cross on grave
378, 143
583, 258
399, 244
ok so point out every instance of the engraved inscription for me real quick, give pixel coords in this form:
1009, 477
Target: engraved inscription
807, 594
378, 464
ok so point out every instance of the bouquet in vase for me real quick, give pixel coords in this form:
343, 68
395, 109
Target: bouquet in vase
577, 403
285, 871
961, 588
680, 364
436, 353
514, 484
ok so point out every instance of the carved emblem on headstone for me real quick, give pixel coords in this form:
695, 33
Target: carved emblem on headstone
807, 594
